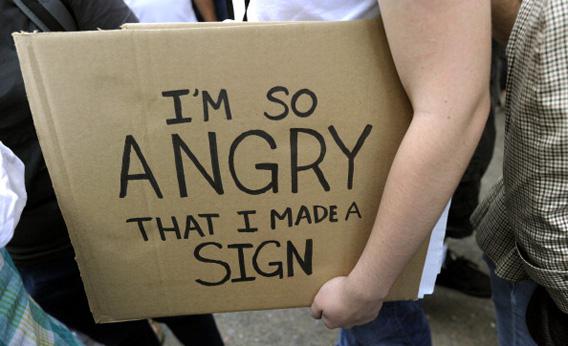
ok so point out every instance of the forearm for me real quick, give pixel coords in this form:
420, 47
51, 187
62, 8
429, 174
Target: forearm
421, 181
446, 76
206, 9
503, 15
441, 49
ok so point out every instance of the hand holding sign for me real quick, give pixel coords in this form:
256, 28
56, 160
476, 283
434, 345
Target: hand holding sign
342, 302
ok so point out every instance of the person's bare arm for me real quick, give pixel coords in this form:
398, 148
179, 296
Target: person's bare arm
442, 54
206, 9
503, 13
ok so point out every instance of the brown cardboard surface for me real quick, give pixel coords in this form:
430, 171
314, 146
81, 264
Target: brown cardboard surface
101, 107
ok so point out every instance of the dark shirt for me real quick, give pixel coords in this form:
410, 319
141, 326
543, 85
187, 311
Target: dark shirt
41, 233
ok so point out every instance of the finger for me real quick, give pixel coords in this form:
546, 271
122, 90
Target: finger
316, 311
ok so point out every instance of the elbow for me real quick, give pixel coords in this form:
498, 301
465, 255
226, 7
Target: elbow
478, 113
481, 109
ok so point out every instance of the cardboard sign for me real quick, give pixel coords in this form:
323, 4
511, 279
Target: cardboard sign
217, 168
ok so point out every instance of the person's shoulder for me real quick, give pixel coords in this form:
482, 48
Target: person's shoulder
100, 14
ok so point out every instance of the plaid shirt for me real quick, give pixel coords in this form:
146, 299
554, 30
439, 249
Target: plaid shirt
523, 224
22, 321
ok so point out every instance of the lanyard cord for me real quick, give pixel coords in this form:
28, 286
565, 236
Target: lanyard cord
245, 17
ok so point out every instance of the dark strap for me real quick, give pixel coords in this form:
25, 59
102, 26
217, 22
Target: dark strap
48, 15
61, 12
245, 17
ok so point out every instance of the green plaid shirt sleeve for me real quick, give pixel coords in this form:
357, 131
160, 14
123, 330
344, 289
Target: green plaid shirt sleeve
523, 224
22, 321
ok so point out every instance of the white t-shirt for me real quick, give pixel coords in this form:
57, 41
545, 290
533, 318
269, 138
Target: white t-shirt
296, 10
162, 11
304, 10
12, 193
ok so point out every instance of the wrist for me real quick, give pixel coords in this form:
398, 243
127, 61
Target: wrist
365, 287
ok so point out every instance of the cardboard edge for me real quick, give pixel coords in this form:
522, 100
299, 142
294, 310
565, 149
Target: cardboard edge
235, 24
207, 25
39, 106
107, 319
422, 252
200, 26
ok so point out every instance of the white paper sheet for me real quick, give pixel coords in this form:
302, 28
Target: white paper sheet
435, 256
